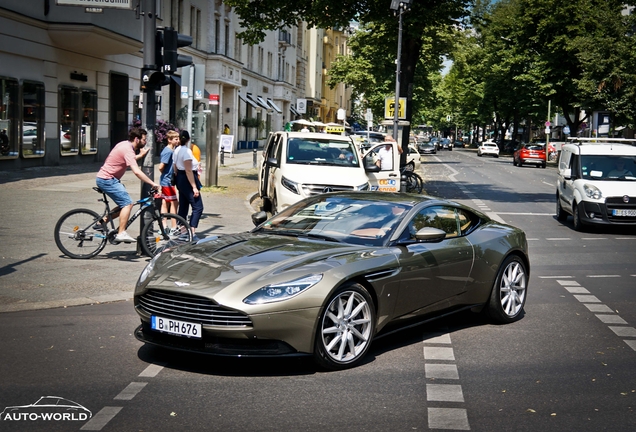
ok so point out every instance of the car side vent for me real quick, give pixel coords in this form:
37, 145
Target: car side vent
371, 277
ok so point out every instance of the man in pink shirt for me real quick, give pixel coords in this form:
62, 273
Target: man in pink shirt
121, 157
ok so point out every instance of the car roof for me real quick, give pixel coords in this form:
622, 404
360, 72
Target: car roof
601, 149
316, 135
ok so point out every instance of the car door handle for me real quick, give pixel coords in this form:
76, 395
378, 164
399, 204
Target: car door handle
392, 175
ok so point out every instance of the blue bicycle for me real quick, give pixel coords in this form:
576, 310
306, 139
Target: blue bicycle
83, 233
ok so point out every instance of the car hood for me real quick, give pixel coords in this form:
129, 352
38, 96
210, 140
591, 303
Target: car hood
353, 175
242, 263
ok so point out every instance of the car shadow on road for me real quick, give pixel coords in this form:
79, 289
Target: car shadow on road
302, 365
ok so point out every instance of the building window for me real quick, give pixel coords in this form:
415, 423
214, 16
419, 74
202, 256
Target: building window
32, 136
226, 42
8, 118
250, 57
270, 62
260, 60
217, 35
238, 48
88, 134
69, 120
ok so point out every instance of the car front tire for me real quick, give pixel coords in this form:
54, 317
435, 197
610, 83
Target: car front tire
576, 215
561, 215
508, 295
345, 328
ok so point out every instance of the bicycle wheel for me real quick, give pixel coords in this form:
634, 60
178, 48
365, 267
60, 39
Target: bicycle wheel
414, 182
76, 236
156, 238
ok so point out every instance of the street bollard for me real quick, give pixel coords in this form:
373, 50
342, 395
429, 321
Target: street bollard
403, 183
254, 157
222, 156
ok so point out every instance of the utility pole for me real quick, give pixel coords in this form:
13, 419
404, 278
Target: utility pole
149, 113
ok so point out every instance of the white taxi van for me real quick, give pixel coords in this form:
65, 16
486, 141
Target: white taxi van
597, 182
297, 165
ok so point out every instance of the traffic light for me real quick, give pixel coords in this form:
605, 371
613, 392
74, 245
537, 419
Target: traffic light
171, 42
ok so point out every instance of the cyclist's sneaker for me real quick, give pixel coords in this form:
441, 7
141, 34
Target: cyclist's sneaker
124, 237
175, 231
98, 227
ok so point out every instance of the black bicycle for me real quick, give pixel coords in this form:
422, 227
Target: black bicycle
414, 183
82, 233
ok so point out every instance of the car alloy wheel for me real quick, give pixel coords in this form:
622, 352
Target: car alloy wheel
345, 328
508, 295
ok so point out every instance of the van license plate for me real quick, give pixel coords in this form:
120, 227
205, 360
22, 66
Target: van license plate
623, 212
175, 327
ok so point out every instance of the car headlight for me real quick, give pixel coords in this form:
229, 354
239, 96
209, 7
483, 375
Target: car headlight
364, 186
288, 184
592, 191
148, 270
282, 291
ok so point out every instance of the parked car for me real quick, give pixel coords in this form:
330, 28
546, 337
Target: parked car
597, 182
328, 274
413, 158
427, 148
488, 148
530, 153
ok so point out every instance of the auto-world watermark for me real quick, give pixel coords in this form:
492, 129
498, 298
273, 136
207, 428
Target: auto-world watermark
47, 408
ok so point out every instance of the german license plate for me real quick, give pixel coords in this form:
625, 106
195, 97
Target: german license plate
175, 327
623, 212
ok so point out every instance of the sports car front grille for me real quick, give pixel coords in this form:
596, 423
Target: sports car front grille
315, 189
191, 308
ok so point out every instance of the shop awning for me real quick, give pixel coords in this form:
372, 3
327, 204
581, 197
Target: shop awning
262, 103
273, 105
293, 110
249, 101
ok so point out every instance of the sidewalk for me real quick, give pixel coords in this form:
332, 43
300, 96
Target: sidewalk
33, 272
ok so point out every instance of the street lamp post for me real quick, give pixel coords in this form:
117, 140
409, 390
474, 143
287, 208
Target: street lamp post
398, 7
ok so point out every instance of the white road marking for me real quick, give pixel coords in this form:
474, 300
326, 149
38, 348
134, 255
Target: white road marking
448, 418
611, 319
525, 214
441, 339
151, 371
99, 420
603, 276
130, 391
441, 371
587, 298
554, 277
598, 308
444, 393
438, 353
569, 283
623, 331
631, 343
576, 290
558, 238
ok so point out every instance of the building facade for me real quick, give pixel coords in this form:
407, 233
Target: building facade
70, 77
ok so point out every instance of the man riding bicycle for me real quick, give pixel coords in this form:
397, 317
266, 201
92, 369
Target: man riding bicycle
119, 159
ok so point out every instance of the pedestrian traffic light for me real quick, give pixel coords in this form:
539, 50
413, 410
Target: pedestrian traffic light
171, 42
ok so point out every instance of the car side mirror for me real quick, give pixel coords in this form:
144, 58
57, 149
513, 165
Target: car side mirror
567, 174
259, 217
430, 234
272, 162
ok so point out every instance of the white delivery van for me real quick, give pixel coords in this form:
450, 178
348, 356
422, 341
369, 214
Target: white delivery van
597, 182
297, 165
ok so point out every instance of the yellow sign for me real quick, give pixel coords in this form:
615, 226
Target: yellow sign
335, 129
389, 108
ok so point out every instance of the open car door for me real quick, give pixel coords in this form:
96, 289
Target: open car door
386, 156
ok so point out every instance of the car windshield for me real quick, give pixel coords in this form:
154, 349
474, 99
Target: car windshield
319, 151
605, 167
344, 219
537, 147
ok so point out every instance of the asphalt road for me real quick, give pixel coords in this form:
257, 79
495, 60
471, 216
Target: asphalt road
568, 365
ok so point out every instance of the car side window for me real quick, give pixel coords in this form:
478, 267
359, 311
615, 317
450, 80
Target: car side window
440, 217
564, 162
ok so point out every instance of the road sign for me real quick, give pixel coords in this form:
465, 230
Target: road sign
389, 108
566, 130
115, 4
547, 124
